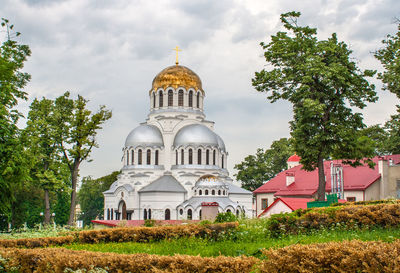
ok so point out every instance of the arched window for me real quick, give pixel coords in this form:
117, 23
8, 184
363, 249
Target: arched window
228, 210
127, 157
112, 214
108, 214
200, 214
214, 153
139, 160
189, 214
148, 157
180, 98
176, 159
219, 192
222, 165
149, 213
154, 100
145, 214
213, 192
190, 156
199, 156
156, 158
200, 192
182, 157
167, 214
208, 157
206, 192
160, 104
198, 100
237, 213
170, 98
133, 156
190, 98
223, 192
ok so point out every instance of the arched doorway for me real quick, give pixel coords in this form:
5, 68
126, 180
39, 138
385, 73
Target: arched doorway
189, 214
122, 210
167, 214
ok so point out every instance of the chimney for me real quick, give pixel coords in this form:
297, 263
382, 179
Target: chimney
289, 178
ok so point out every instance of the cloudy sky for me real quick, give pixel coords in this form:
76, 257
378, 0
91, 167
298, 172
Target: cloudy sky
110, 51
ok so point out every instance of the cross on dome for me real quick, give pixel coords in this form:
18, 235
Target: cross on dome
177, 49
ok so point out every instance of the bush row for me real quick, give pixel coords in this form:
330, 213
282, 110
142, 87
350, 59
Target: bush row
136, 234
38, 242
366, 203
381, 215
64, 260
146, 234
347, 256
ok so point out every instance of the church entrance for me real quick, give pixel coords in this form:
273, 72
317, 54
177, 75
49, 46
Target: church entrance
122, 210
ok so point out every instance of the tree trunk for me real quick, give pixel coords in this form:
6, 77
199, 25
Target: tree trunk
321, 179
47, 207
74, 180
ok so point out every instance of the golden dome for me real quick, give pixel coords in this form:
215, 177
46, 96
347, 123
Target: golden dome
177, 76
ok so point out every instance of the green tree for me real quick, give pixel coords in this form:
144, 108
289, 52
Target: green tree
91, 196
389, 56
47, 171
76, 133
322, 82
61, 207
256, 169
12, 81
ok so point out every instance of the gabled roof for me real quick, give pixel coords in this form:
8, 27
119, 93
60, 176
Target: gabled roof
306, 183
237, 190
291, 203
166, 183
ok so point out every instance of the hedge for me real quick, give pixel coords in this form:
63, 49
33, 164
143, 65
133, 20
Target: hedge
60, 260
380, 215
127, 234
347, 256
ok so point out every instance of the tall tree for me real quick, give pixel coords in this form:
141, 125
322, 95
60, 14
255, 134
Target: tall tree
12, 81
77, 130
256, 169
91, 196
322, 82
47, 171
389, 56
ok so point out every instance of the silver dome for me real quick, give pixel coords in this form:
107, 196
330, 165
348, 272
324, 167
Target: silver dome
145, 135
221, 143
196, 135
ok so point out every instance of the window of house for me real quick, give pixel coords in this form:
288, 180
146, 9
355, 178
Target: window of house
139, 157
214, 153
154, 100
200, 192
176, 159
213, 192
170, 98
160, 104
181, 211
148, 157
145, 214
219, 192
133, 156
149, 213
167, 214
199, 156
264, 203
190, 98
156, 158
190, 156
189, 214
208, 157
180, 98
222, 163
198, 100
206, 192
182, 157
351, 199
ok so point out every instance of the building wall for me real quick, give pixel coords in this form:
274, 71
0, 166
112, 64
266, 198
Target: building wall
373, 191
278, 207
393, 175
259, 197
245, 200
158, 202
359, 195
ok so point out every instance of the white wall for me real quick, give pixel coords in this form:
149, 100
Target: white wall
278, 207
259, 196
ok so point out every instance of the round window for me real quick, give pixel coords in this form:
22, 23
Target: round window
181, 211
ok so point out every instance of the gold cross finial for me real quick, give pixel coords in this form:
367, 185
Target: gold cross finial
177, 49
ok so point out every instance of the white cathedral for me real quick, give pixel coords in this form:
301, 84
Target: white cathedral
174, 163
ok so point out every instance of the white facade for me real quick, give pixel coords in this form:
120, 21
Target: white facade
172, 158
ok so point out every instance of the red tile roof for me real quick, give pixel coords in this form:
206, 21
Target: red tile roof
306, 183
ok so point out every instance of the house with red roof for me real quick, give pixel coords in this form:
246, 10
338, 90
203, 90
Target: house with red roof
360, 183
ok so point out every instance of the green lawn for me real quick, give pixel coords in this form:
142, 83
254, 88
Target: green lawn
247, 244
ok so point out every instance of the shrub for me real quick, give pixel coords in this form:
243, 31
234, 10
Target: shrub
224, 217
38, 242
149, 223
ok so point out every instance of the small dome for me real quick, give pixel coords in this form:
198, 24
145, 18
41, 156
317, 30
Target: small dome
145, 135
294, 158
177, 76
196, 135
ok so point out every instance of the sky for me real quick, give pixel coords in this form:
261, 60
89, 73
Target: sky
110, 51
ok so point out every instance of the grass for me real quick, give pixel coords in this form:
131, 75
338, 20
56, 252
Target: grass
245, 244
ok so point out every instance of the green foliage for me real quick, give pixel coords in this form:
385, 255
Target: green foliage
256, 169
12, 81
225, 217
61, 207
149, 222
323, 83
91, 196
